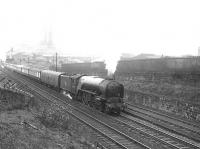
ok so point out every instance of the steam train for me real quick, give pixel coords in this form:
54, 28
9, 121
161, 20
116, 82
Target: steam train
103, 94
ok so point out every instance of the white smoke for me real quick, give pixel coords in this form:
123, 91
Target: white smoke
111, 63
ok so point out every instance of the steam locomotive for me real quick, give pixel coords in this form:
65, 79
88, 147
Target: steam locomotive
103, 94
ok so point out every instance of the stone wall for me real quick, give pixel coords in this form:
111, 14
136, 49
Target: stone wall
174, 106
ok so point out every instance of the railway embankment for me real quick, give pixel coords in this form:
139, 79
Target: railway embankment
164, 92
25, 122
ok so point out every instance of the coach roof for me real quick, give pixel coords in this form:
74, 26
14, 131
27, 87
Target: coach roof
52, 72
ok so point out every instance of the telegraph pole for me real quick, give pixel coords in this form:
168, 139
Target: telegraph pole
56, 61
28, 61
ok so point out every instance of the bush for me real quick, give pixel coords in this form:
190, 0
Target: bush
11, 100
55, 118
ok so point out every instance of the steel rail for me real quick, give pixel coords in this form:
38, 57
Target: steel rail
127, 144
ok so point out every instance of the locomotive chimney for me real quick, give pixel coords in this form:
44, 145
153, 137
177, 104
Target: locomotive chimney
110, 75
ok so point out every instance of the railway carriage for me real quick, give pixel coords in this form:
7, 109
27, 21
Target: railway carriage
25, 70
35, 73
10, 67
51, 78
17, 68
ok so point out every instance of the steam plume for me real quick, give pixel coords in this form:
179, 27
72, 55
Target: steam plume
111, 63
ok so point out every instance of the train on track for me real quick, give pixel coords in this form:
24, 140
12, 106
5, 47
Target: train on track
103, 94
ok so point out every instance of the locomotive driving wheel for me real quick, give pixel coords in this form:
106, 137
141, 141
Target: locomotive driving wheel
90, 100
79, 96
85, 99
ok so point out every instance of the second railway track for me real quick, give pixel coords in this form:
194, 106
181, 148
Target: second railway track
180, 126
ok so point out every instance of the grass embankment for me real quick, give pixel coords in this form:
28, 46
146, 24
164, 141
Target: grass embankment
168, 94
26, 123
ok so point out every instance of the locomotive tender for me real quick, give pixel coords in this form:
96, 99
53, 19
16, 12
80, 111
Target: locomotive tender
102, 94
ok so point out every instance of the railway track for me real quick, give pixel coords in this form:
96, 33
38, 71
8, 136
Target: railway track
150, 132
164, 136
147, 136
184, 128
170, 139
113, 137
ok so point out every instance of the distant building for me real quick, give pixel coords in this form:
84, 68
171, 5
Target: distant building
127, 56
9, 56
89, 68
146, 56
19, 58
46, 46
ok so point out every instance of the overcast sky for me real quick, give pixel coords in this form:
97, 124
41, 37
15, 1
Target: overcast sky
103, 27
